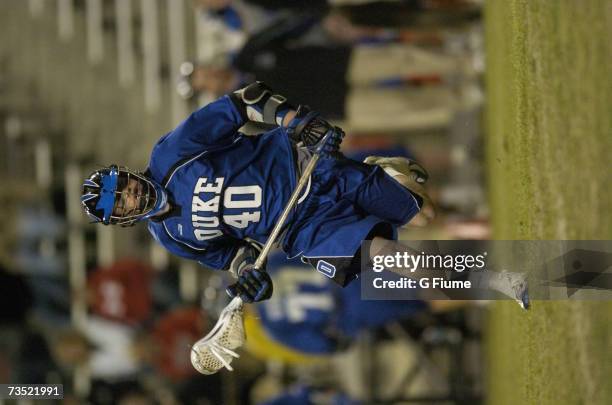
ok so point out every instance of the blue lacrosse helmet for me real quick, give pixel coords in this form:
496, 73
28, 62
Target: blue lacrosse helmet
106, 193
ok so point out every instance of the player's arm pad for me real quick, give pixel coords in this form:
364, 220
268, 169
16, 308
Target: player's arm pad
257, 102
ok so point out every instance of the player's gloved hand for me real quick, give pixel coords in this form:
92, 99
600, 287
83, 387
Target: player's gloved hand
396, 166
309, 129
253, 285
330, 144
412, 176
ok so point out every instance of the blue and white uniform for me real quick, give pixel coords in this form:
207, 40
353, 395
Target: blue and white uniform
225, 187
312, 316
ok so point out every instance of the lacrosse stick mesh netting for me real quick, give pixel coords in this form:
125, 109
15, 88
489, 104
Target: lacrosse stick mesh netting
217, 349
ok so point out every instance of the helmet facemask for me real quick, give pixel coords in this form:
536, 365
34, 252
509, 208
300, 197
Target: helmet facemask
135, 197
120, 196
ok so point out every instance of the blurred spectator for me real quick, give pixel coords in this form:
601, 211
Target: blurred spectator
223, 26
409, 85
167, 348
354, 60
122, 291
104, 346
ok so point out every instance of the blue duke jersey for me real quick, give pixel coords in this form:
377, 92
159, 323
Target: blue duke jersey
224, 187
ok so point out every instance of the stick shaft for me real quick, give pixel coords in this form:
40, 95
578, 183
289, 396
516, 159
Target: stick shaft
281, 220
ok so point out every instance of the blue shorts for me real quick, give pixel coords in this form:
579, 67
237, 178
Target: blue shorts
347, 202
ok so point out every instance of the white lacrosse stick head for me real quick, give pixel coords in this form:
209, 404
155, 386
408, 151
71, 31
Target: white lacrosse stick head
217, 349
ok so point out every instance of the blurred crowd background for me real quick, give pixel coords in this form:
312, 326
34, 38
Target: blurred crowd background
109, 314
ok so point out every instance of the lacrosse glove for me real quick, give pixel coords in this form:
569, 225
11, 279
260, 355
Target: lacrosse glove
253, 285
308, 129
412, 176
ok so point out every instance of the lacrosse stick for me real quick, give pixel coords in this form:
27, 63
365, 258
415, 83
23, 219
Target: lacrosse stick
217, 349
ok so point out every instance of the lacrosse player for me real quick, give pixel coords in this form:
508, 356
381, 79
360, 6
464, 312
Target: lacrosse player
213, 194
308, 316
